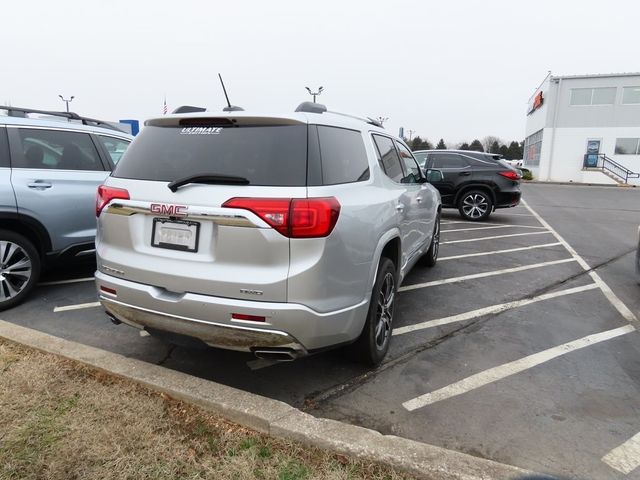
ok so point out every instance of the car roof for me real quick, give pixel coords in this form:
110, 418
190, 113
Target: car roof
332, 119
61, 123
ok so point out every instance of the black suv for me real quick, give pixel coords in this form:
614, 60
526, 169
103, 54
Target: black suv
475, 183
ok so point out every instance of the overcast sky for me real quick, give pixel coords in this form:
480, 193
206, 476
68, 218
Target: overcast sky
453, 69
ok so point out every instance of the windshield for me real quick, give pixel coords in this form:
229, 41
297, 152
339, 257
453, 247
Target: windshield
421, 158
264, 155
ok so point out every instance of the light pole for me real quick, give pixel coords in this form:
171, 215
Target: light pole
66, 101
411, 132
314, 94
381, 120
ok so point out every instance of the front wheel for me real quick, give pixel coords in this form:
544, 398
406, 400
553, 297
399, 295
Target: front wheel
475, 205
19, 268
373, 343
431, 257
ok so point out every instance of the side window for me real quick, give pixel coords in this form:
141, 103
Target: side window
115, 147
411, 168
4, 148
344, 158
448, 160
55, 149
389, 158
421, 158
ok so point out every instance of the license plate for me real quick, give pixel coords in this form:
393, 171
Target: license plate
175, 234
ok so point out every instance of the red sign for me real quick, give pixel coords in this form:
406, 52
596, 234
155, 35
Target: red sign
538, 100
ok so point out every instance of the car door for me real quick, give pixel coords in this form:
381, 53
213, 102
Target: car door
7, 197
55, 175
405, 196
455, 171
423, 209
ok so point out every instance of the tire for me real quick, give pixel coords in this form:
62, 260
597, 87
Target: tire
475, 205
19, 268
430, 258
373, 343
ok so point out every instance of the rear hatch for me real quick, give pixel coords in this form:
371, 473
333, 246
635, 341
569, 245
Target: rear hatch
187, 236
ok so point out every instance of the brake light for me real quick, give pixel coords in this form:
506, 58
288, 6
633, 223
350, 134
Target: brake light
106, 194
510, 174
293, 217
248, 318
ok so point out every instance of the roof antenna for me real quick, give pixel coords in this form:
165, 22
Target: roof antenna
229, 107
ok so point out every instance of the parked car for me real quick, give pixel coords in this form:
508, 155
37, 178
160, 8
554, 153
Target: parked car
49, 172
475, 183
282, 235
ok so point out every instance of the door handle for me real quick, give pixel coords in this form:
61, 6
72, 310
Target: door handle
39, 185
400, 208
418, 199
465, 174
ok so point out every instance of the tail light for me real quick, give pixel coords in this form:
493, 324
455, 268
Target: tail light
510, 174
293, 217
106, 194
248, 318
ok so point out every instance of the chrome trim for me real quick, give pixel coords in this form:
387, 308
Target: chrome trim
116, 208
89, 129
232, 337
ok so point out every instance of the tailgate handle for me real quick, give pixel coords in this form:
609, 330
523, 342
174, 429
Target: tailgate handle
39, 184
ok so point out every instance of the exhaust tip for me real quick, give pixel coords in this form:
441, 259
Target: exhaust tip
283, 355
113, 319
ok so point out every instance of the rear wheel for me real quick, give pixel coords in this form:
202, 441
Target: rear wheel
373, 343
475, 205
19, 268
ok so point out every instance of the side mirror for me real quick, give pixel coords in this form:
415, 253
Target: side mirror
434, 176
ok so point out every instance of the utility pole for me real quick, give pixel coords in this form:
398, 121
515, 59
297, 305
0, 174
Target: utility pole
314, 94
411, 132
67, 101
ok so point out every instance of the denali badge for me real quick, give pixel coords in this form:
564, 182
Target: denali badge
169, 210
251, 292
200, 131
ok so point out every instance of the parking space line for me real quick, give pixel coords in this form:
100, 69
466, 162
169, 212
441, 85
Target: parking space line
508, 369
493, 309
489, 228
481, 223
612, 297
64, 282
626, 457
79, 306
494, 252
484, 274
519, 214
494, 237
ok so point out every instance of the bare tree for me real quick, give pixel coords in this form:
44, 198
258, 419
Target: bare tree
488, 141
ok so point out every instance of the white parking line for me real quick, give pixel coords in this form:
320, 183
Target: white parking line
612, 297
494, 252
79, 306
64, 282
626, 457
484, 274
493, 238
489, 228
508, 369
519, 214
502, 307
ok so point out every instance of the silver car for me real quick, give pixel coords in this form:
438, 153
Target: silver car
282, 235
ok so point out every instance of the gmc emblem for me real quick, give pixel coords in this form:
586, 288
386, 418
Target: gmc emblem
169, 210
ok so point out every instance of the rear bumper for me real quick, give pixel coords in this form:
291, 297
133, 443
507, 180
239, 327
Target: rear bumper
508, 199
208, 318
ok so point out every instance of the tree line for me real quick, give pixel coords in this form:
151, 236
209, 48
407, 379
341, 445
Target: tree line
513, 150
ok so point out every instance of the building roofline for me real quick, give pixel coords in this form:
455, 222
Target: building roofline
597, 75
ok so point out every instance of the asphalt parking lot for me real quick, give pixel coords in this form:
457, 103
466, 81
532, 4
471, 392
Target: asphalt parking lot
519, 346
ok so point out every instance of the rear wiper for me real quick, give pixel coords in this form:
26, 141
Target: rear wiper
211, 178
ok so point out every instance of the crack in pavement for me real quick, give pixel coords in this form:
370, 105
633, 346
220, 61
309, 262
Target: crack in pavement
170, 350
358, 380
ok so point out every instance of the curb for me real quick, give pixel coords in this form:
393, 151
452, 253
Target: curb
579, 184
274, 417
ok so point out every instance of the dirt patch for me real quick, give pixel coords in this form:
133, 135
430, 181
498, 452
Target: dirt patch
61, 420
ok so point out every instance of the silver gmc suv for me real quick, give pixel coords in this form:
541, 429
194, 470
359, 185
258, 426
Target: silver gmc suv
282, 235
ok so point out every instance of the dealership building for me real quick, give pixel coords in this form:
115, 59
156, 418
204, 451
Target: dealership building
585, 128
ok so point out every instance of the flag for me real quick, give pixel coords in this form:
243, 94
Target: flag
164, 107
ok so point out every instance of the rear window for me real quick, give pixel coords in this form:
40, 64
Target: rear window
265, 155
344, 158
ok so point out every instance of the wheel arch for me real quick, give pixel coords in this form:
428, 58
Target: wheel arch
389, 245
30, 228
475, 186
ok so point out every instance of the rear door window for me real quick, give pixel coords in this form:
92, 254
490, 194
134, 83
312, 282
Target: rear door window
115, 147
389, 158
344, 158
274, 155
411, 169
4, 148
55, 149
448, 160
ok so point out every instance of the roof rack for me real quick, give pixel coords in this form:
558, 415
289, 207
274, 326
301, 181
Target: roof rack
368, 120
22, 113
311, 107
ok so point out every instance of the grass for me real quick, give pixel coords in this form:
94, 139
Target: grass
61, 420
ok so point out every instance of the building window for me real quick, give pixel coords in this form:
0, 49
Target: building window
627, 146
631, 95
593, 96
532, 147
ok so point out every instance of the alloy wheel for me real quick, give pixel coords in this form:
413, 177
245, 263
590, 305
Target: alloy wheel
475, 205
384, 315
15, 270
